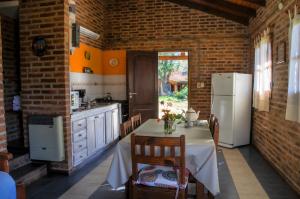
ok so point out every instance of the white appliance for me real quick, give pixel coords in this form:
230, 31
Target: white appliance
46, 138
231, 95
75, 102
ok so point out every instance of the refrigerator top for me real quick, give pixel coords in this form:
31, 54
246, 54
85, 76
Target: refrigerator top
223, 84
226, 84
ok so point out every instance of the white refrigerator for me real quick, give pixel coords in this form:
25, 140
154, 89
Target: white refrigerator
231, 95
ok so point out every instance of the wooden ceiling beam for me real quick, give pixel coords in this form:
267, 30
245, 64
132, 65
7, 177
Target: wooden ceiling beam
229, 7
211, 8
257, 2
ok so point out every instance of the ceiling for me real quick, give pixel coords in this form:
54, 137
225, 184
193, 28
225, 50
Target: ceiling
236, 10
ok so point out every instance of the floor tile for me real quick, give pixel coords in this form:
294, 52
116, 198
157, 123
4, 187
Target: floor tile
243, 174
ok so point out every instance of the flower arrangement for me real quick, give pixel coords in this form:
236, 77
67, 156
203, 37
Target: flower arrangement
170, 119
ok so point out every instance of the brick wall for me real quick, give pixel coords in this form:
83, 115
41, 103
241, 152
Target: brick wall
2, 112
10, 57
214, 44
90, 14
45, 80
277, 139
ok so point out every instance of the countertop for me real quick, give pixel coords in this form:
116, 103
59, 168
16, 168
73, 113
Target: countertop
103, 107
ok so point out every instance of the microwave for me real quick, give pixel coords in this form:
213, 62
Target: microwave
74, 100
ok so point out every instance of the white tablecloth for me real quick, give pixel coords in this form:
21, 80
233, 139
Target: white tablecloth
201, 157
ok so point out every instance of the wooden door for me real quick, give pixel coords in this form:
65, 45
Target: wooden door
100, 130
91, 136
143, 84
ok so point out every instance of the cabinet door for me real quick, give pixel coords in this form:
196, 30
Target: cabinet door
109, 127
91, 136
100, 130
115, 123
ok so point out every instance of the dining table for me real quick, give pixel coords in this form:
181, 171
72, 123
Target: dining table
200, 155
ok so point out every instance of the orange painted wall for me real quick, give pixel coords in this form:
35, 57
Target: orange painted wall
120, 68
99, 61
78, 61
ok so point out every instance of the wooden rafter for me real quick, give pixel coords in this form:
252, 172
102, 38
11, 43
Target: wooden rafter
227, 7
254, 4
236, 10
211, 10
257, 2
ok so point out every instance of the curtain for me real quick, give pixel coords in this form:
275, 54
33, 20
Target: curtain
293, 99
262, 73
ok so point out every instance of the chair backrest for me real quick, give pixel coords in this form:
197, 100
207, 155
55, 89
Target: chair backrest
136, 120
158, 151
216, 132
4, 158
211, 123
126, 128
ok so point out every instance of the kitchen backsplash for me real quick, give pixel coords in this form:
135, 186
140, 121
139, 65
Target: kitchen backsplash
116, 85
97, 85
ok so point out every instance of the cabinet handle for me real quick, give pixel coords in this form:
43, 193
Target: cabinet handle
80, 146
79, 135
96, 117
79, 124
80, 156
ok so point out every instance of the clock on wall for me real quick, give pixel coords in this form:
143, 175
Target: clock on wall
113, 62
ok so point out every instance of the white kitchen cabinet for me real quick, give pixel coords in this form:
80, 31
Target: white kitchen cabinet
109, 127
115, 124
93, 131
91, 135
100, 130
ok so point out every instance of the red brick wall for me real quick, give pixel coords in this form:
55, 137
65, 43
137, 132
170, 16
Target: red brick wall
277, 139
2, 112
214, 44
90, 14
11, 75
45, 80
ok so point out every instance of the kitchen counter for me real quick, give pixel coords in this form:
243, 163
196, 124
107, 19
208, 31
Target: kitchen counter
94, 109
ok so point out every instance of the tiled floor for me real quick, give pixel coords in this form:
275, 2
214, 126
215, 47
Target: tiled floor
243, 173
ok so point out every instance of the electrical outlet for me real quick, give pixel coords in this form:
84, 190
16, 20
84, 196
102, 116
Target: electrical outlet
200, 85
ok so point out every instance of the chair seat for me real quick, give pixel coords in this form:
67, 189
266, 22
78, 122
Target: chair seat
160, 176
7, 186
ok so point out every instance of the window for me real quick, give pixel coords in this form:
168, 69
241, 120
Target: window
262, 73
293, 100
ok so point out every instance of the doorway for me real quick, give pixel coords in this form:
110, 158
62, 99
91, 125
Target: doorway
173, 81
156, 80
11, 77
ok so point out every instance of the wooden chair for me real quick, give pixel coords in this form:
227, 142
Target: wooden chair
126, 128
4, 166
136, 121
152, 157
211, 122
216, 132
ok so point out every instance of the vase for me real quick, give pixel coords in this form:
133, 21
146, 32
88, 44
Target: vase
169, 126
